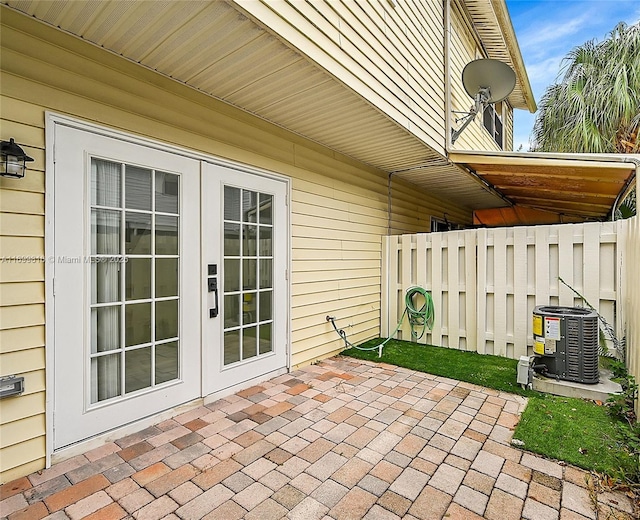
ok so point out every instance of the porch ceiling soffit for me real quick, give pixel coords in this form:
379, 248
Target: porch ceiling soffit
584, 186
212, 47
492, 22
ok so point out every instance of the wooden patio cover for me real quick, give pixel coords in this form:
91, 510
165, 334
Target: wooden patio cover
565, 187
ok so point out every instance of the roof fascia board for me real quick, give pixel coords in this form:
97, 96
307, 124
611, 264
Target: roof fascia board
545, 159
504, 20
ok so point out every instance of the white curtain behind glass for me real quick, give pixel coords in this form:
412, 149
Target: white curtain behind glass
105, 381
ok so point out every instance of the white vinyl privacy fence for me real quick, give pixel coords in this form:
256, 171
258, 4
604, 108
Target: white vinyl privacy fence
486, 282
629, 236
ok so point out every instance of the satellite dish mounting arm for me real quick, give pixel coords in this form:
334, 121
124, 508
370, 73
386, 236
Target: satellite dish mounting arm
486, 81
481, 102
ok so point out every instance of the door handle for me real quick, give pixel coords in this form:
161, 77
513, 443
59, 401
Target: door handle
213, 312
212, 286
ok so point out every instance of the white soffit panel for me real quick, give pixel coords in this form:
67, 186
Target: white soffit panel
491, 21
210, 46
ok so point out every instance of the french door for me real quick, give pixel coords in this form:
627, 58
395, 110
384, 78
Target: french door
168, 275
126, 283
245, 248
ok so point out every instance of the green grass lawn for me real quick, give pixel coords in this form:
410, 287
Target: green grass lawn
576, 431
490, 371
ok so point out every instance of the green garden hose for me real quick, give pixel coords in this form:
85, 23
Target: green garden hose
421, 319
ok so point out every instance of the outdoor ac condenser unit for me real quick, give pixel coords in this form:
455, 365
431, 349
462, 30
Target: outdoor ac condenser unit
565, 343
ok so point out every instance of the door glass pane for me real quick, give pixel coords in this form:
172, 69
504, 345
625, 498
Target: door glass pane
231, 310
249, 274
266, 202
249, 308
231, 239
106, 275
249, 240
137, 185
167, 186
137, 369
166, 362
249, 206
266, 241
137, 320
231, 346
266, 312
166, 235
137, 284
105, 183
231, 275
231, 203
105, 232
105, 377
166, 319
166, 277
137, 233
105, 328
264, 342
266, 273
249, 342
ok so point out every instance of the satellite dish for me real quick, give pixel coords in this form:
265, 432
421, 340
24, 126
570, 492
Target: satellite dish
492, 75
486, 81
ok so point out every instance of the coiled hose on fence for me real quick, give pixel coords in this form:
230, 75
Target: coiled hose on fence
419, 319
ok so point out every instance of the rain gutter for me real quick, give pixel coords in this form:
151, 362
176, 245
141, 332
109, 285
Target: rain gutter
447, 76
627, 186
592, 157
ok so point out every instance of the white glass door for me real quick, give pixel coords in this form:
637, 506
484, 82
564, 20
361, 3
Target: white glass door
126, 285
245, 245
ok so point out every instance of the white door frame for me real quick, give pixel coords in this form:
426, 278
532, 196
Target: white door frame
51, 120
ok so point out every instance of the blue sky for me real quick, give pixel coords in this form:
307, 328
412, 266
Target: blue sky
548, 29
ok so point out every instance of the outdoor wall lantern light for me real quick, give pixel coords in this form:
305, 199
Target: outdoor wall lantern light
13, 159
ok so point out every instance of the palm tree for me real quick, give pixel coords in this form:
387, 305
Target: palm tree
627, 208
596, 106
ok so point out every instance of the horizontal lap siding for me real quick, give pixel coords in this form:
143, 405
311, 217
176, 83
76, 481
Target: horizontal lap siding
336, 237
392, 57
22, 353
338, 207
464, 49
508, 129
339, 276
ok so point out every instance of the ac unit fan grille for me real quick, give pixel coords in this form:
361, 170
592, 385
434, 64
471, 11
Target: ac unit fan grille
590, 348
582, 348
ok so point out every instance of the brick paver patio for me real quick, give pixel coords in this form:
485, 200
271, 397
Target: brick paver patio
343, 439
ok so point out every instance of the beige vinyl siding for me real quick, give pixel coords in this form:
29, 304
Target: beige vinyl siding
508, 128
464, 49
392, 57
22, 353
338, 207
